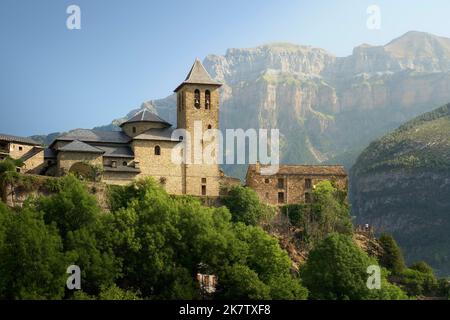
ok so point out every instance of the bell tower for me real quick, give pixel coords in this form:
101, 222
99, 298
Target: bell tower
198, 108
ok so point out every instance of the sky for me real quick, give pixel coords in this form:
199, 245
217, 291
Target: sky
54, 79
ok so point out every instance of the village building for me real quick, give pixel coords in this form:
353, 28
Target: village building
293, 184
30, 152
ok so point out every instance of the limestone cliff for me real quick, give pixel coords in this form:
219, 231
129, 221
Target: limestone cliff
328, 108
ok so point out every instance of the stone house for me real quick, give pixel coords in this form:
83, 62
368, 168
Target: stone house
30, 152
293, 184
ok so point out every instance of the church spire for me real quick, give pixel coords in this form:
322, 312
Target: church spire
198, 75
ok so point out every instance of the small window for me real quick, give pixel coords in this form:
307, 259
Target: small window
114, 164
157, 151
203, 190
280, 183
20, 148
267, 195
203, 180
209, 127
124, 163
308, 183
266, 181
18, 170
207, 99
308, 198
181, 138
280, 197
134, 129
197, 98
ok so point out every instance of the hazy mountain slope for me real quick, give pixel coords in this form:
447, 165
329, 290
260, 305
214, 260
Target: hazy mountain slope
329, 109
401, 184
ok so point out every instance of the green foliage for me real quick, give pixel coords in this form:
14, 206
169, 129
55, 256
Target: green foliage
329, 213
240, 282
72, 208
245, 206
113, 292
32, 264
337, 270
8, 174
166, 239
392, 257
420, 280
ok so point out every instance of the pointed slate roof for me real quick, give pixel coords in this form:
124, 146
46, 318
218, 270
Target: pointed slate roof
78, 146
146, 116
198, 75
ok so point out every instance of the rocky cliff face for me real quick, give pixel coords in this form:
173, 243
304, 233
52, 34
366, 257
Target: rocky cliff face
401, 185
328, 109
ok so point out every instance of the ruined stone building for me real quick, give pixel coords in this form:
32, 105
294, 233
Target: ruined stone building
293, 184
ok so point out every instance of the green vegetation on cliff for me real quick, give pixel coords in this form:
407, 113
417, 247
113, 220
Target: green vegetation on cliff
400, 185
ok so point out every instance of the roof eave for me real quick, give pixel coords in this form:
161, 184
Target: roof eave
217, 84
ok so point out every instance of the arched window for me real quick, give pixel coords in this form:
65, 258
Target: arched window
125, 164
197, 98
209, 127
157, 151
207, 99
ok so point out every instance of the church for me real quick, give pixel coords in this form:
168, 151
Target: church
143, 147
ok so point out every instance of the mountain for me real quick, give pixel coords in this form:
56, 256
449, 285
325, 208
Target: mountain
328, 108
401, 185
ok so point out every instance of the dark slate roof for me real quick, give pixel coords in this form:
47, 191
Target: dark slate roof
78, 146
10, 138
33, 151
49, 153
307, 170
117, 152
87, 135
164, 134
198, 75
145, 116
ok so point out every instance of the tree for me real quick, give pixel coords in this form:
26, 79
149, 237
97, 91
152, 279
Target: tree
72, 208
337, 270
420, 280
241, 283
8, 174
392, 257
245, 206
32, 264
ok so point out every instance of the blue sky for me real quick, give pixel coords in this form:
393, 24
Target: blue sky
55, 79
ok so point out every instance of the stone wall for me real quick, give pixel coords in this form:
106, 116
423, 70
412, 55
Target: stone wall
67, 159
17, 150
295, 188
35, 164
160, 167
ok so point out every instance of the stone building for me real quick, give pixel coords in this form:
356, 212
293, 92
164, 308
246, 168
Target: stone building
143, 147
30, 152
293, 184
